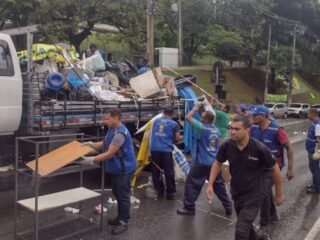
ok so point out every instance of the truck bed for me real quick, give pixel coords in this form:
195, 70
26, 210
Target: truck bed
43, 116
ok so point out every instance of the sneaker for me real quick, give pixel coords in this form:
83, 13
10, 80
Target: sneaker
114, 221
184, 211
310, 187
264, 228
160, 195
264, 236
274, 219
171, 197
313, 191
120, 228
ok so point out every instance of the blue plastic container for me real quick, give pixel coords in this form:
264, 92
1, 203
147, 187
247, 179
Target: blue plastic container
54, 81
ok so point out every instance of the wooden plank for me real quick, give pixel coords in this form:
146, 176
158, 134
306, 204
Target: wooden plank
59, 199
59, 157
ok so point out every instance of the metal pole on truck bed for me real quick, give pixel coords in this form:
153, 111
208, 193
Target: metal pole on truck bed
195, 85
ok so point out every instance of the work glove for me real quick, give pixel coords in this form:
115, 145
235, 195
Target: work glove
91, 145
86, 161
316, 155
197, 105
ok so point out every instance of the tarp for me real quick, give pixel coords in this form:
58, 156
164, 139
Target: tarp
189, 135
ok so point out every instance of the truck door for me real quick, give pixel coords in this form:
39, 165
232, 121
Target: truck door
10, 87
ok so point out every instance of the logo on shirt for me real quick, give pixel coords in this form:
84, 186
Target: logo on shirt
213, 142
253, 158
161, 128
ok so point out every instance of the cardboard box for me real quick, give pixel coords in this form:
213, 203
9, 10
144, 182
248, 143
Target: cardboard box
145, 85
59, 158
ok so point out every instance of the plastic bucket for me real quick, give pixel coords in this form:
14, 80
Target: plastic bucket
54, 81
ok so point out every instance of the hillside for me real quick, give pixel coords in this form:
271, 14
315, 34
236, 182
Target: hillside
247, 86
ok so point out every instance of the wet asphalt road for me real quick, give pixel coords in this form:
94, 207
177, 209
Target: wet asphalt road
158, 219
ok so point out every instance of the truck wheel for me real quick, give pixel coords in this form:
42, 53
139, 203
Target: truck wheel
300, 115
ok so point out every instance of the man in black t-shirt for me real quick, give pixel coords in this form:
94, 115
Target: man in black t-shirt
251, 163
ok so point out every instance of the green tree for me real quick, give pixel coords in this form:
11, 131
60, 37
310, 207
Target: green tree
225, 44
73, 20
17, 13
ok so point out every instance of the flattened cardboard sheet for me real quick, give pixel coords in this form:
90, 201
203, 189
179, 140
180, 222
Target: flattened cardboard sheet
59, 158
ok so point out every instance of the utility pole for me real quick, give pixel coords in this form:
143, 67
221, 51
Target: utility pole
267, 66
292, 63
150, 38
215, 9
180, 46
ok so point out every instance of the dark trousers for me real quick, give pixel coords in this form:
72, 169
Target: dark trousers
194, 183
247, 210
163, 161
268, 210
121, 190
314, 166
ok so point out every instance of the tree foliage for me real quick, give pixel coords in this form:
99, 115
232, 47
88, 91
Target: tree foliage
225, 44
234, 30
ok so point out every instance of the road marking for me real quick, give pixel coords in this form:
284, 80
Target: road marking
314, 231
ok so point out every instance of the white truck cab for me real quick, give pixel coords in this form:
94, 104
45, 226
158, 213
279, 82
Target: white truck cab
10, 87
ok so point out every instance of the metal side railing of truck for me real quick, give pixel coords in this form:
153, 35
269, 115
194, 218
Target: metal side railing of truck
44, 116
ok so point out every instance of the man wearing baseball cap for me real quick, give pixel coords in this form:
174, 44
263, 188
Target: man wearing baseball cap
269, 132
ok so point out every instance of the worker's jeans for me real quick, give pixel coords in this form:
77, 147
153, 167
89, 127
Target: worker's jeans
196, 178
247, 210
163, 161
121, 190
314, 166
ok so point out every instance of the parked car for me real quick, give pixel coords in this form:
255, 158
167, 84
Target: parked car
317, 106
277, 110
299, 110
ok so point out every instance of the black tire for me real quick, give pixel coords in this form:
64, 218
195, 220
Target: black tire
300, 115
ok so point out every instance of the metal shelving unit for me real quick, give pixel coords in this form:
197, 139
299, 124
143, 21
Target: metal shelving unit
39, 204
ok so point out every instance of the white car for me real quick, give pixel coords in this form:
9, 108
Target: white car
317, 106
277, 110
298, 109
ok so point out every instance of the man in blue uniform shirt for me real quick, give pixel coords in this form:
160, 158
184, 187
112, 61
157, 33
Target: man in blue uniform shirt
120, 162
165, 132
313, 149
270, 133
207, 147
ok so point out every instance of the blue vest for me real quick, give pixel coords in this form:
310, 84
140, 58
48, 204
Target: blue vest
269, 137
163, 134
124, 161
207, 145
311, 138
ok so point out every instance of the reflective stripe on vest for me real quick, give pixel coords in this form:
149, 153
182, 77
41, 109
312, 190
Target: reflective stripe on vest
269, 137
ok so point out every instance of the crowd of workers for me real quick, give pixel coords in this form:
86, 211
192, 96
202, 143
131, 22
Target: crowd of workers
254, 150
